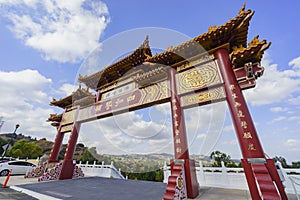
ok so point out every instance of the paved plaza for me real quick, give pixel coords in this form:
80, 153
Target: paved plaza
104, 188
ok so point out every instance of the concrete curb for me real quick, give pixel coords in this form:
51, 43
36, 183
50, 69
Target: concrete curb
34, 194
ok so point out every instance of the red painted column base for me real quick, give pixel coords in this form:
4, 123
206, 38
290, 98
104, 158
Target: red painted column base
253, 185
250, 179
67, 170
192, 184
274, 174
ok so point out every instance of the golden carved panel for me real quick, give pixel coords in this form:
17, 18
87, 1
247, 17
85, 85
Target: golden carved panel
204, 97
201, 60
67, 128
68, 117
204, 76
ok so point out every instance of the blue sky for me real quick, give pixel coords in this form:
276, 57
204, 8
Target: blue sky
44, 43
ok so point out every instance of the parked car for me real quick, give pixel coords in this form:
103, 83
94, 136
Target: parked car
17, 167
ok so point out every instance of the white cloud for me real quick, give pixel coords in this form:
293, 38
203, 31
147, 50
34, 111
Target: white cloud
201, 136
229, 128
63, 31
275, 85
295, 100
23, 86
206, 120
131, 132
25, 102
294, 118
135, 126
67, 89
278, 109
150, 130
295, 63
292, 145
206, 117
277, 119
164, 108
231, 142
280, 118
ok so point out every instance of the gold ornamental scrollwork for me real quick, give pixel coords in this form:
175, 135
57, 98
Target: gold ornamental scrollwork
204, 97
68, 117
67, 128
198, 78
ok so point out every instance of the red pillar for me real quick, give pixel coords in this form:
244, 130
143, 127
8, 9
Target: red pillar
246, 133
68, 166
244, 126
181, 150
56, 146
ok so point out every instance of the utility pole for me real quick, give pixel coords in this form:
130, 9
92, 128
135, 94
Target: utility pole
10, 142
1, 122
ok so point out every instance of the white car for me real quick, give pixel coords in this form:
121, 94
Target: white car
17, 167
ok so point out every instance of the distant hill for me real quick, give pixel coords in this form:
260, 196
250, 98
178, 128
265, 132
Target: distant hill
15, 137
126, 162
143, 162
47, 147
44, 144
135, 163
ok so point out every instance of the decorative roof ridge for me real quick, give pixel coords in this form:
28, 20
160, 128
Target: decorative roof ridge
150, 73
143, 46
244, 15
75, 94
253, 43
255, 48
54, 117
243, 18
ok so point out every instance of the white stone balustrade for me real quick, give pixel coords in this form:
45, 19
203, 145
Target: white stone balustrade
234, 178
107, 171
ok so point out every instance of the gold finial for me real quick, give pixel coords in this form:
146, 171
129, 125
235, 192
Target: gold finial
242, 10
169, 48
254, 42
147, 56
212, 28
237, 49
145, 43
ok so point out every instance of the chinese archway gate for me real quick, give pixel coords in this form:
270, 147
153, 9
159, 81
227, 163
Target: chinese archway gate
185, 78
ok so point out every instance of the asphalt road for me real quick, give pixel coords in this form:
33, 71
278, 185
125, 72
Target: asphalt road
103, 189
10, 194
99, 188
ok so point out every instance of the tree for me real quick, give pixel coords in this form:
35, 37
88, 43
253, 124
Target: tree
159, 175
296, 164
2, 143
24, 149
87, 156
219, 157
